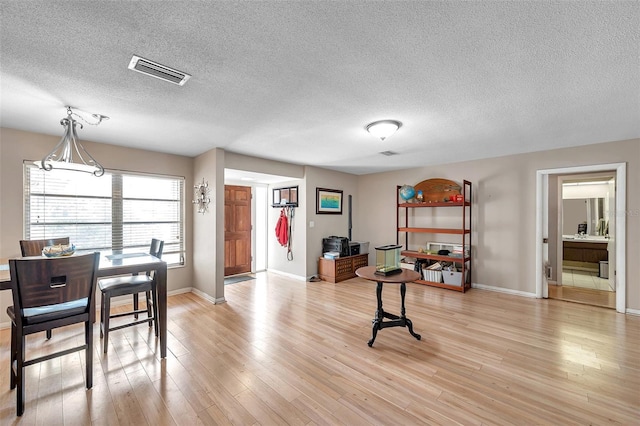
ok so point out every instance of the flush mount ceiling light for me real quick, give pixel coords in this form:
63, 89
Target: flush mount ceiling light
383, 128
154, 69
69, 149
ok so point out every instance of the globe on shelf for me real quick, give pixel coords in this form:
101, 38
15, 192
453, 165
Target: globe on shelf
407, 192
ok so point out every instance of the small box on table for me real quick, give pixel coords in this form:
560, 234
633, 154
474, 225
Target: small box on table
364, 246
331, 255
388, 260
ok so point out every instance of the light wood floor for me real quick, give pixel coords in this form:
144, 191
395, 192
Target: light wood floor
282, 351
588, 296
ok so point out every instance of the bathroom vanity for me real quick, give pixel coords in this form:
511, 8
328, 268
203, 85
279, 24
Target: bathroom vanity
591, 249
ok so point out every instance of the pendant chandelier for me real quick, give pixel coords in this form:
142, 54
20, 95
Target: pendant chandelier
69, 154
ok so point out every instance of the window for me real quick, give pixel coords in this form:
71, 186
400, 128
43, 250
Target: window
120, 210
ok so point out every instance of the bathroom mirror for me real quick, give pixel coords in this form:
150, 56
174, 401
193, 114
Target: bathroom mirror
586, 201
578, 211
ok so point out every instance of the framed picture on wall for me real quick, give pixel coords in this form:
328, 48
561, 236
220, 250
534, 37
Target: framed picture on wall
328, 201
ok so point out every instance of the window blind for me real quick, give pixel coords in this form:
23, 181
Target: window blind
119, 211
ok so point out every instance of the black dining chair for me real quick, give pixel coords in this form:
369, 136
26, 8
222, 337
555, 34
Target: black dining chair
34, 248
50, 293
130, 284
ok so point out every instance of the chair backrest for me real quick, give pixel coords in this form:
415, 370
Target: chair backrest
38, 282
34, 247
156, 248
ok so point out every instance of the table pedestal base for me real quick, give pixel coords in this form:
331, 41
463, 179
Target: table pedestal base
396, 321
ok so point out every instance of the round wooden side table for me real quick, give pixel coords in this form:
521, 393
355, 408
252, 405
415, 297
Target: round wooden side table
403, 277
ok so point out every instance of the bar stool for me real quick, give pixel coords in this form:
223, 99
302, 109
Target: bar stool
131, 284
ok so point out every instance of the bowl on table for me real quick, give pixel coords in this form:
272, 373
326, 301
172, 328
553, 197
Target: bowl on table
59, 250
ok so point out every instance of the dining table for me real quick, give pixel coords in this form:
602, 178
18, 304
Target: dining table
122, 264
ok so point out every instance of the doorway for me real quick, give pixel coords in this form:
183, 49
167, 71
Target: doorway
550, 241
584, 247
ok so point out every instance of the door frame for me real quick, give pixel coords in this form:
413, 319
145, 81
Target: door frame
542, 219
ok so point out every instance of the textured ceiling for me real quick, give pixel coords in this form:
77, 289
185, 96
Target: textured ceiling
298, 81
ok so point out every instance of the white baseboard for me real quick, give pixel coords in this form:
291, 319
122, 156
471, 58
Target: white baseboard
287, 274
503, 290
525, 294
180, 291
206, 297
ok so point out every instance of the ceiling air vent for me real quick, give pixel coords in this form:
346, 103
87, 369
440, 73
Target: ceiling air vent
389, 153
157, 70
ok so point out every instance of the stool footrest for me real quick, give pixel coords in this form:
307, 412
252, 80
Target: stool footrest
124, 314
129, 324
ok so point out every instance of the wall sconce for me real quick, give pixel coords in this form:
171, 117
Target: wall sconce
202, 191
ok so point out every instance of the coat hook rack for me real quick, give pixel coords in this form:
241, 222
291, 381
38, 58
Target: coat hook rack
285, 197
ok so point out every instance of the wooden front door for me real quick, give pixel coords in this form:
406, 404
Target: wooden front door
237, 229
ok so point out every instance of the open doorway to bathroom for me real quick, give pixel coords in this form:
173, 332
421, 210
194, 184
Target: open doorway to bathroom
581, 232
585, 203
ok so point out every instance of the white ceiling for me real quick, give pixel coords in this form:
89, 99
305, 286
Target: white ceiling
299, 81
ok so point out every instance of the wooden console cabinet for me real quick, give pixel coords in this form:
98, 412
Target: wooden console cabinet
342, 268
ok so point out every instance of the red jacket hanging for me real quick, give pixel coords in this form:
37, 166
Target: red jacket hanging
282, 228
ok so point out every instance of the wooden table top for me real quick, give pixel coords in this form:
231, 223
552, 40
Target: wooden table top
110, 264
368, 273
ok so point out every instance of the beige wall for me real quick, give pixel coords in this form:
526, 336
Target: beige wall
277, 259
504, 209
261, 165
307, 240
326, 225
17, 146
208, 228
